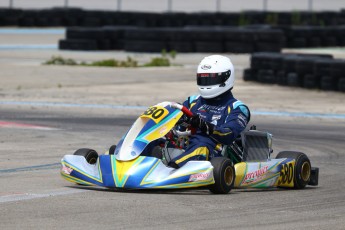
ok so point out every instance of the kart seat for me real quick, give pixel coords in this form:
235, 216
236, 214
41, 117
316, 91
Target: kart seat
257, 145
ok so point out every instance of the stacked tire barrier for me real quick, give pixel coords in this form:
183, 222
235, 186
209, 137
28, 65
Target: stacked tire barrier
244, 32
180, 39
310, 71
219, 39
91, 18
314, 36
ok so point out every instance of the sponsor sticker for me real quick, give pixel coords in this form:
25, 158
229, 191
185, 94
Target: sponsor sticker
216, 117
66, 170
199, 176
255, 176
212, 109
163, 130
206, 67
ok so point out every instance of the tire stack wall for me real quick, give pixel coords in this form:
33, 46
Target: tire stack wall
186, 39
310, 71
106, 38
145, 40
245, 32
218, 39
314, 36
78, 17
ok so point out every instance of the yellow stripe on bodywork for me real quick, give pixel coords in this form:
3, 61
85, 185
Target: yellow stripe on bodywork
188, 184
84, 173
202, 151
143, 182
161, 129
120, 169
74, 180
240, 169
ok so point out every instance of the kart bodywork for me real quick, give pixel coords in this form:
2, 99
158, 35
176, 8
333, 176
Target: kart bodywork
127, 167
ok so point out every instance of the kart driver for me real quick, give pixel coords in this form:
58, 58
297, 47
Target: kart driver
218, 117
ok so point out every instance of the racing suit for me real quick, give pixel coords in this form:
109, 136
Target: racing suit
228, 118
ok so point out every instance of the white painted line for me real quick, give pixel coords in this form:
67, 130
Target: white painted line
27, 47
31, 196
30, 168
32, 31
7, 124
72, 105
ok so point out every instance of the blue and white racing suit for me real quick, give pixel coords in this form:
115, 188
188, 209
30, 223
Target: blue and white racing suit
229, 117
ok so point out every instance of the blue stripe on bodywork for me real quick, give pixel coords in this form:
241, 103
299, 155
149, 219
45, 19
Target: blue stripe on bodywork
107, 172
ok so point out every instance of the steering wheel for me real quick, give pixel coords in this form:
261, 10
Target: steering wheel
188, 113
184, 109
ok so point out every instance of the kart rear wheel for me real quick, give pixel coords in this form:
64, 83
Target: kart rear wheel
90, 155
224, 175
302, 171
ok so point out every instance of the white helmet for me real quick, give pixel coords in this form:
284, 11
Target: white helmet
215, 76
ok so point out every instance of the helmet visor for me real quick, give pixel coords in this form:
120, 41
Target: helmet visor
206, 79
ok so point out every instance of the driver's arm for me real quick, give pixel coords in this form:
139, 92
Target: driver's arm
226, 133
234, 124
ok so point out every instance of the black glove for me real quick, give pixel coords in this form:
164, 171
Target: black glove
197, 122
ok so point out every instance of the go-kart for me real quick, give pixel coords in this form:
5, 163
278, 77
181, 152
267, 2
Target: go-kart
128, 165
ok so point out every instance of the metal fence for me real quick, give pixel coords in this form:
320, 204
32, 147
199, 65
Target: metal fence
182, 5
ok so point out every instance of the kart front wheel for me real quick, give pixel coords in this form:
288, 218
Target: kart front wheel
90, 155
112, 150
302, 171
224, 175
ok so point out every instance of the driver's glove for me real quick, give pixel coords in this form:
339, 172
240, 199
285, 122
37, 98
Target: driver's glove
197, 122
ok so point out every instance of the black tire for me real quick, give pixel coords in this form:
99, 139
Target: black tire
238, 47
281, 78
310, 81
208, 47
328, 83
78, 44
112, 150
302, 167
266, 76
268, 47
90, 155
248, 75
224, 175
341, 85
144, 46
293, 80
181, 47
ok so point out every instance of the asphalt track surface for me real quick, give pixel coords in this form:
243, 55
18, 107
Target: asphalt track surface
34, 136
34, 196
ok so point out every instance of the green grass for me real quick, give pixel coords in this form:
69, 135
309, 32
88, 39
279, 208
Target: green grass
163, 60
